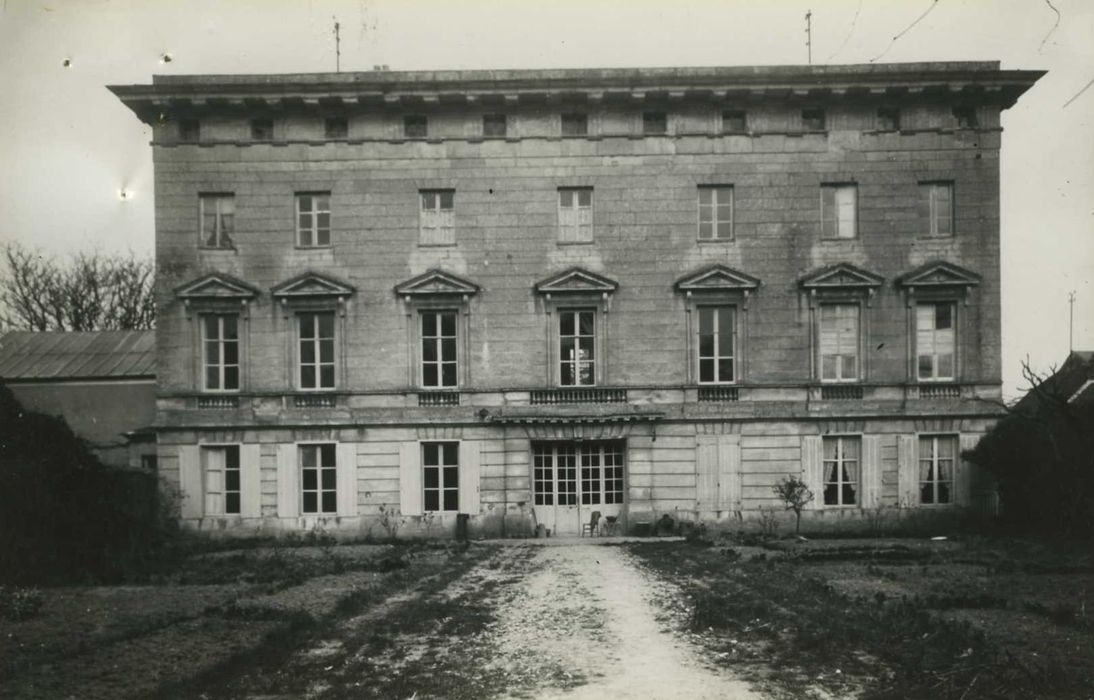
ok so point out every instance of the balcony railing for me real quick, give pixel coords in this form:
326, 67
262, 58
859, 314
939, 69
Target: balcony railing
939, 391
439, 398
314, 400
218, 402
719, 393
841, 392
585, 395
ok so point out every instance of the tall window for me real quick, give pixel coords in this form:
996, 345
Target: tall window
335, 127
318, 479
839, 342
313, 219
220, 466
494, 125
838, 211
935, 341
716, 212
441, 476
316, 350
415, 126
717, 344
220, 346
438, 217
936, 207
218, 213
576, 347
439, 349
575, 124
841, 470
937, 454
655, 123
575, 214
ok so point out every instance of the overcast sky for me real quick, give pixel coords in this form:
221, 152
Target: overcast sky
67, 146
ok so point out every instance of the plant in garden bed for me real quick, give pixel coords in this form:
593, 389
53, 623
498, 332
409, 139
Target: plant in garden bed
19, 603
795, 495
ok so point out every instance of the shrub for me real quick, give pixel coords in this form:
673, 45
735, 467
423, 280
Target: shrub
795, 495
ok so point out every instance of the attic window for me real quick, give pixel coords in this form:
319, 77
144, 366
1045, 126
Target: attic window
655, 123
415, 126
965, 116
734, 121
575, 124
813, 120
189, 131
262, 130
494, 125
336, 128
888, 119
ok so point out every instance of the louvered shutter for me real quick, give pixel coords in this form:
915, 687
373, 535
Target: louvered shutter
907, 471
190, 482
250, 481
288, 482
410, 478
812, 469
871, 471
346, 478
469, 477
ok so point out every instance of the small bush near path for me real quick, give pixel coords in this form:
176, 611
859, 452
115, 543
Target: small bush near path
889, 620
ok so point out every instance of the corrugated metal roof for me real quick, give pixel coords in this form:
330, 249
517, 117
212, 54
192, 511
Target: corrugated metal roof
28, 355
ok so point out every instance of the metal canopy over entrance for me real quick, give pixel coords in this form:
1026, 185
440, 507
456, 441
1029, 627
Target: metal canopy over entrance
572, 479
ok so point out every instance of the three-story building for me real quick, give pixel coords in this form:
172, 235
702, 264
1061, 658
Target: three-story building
387, 298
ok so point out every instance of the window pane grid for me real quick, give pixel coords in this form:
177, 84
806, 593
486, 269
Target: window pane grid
716, 213
217, 220
717, 343
439, 349
221, 478
313, 220
577, 353
839, 342
841, 470
937, 199
937, 455
935, 341
838, 211
559, 469
316, 351
438, 217
318, 479
220, 347
575, 215
440, 476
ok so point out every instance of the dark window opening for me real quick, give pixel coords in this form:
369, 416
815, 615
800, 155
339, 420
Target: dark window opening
189, 131
813, 120
415, 126
262, 130
575, 124
336, 128
655, 123
494, 125
965, 116
734, 121
888, 119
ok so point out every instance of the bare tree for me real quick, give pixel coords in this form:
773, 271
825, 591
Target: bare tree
90, 291
795, 495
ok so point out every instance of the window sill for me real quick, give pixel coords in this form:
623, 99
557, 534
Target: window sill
218, 249
436, 245
719, 241
570, 243
313, 247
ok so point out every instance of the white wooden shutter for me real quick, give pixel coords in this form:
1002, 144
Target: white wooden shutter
213, 461
963, 479
346, 480
250, 481
812, 469
870, 471
190, 481
469, 477
707, 494
410, 478
729, 472
907, 471
288, 480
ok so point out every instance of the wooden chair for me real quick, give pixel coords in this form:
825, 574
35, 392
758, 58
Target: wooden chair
593, 525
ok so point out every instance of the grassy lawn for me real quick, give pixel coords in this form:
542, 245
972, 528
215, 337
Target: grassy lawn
890, 618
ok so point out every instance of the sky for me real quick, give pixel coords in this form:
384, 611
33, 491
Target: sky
68, 147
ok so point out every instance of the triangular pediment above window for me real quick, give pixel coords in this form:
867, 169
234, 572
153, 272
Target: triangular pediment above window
216, 285
841, 276
436, 283
576, 280
311, 285
939, 274
716, 278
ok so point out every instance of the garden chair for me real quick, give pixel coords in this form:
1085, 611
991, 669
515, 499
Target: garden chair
593, 525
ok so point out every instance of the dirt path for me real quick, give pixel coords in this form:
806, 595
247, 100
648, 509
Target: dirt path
602, 614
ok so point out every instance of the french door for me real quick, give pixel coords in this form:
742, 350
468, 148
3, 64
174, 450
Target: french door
571, 480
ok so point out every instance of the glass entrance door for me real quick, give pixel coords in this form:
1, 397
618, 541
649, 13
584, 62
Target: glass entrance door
571, 480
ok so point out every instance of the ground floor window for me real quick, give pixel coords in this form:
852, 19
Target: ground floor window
937, 454
220, 466
568, 473
841, 470
319, 474
441, 476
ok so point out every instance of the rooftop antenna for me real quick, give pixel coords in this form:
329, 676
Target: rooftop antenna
809, 34
1071, 323
337, 47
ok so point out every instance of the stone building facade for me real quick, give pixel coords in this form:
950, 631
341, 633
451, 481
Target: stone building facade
388, 298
